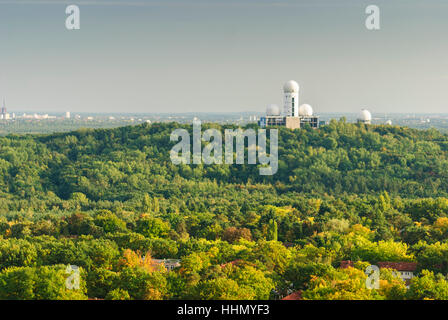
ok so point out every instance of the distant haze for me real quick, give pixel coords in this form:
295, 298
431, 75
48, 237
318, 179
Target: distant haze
226, 55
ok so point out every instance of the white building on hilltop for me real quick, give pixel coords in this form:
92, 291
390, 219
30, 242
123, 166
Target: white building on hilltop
292, 116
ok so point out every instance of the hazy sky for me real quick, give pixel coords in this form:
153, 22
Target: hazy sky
223, 55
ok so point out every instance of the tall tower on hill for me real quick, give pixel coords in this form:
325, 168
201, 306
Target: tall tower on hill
3, 114
291, 99
3, 107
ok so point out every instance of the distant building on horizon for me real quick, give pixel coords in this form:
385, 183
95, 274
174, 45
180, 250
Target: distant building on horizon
293, 116
3, 107
4, 114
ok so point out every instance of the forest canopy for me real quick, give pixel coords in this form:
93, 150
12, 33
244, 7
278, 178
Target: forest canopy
110, 202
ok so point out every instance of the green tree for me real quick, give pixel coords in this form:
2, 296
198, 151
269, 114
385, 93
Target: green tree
272, 231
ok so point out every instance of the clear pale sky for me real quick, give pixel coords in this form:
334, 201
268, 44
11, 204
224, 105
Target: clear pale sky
223, 55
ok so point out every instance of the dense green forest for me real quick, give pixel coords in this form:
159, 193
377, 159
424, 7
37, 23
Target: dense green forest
110, 200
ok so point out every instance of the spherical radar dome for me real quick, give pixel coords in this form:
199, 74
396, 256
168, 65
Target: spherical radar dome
273, 110
291, 86
305, 110
365, 115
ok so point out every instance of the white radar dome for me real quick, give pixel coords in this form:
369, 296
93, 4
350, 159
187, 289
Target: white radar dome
305, 110
291, 86
365, 115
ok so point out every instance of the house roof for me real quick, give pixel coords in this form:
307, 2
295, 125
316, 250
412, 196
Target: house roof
399, 266
294, 296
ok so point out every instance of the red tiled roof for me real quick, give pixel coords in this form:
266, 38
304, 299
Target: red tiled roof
399, 266
294, 296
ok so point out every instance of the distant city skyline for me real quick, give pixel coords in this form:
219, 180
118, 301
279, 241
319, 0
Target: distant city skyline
223, 56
